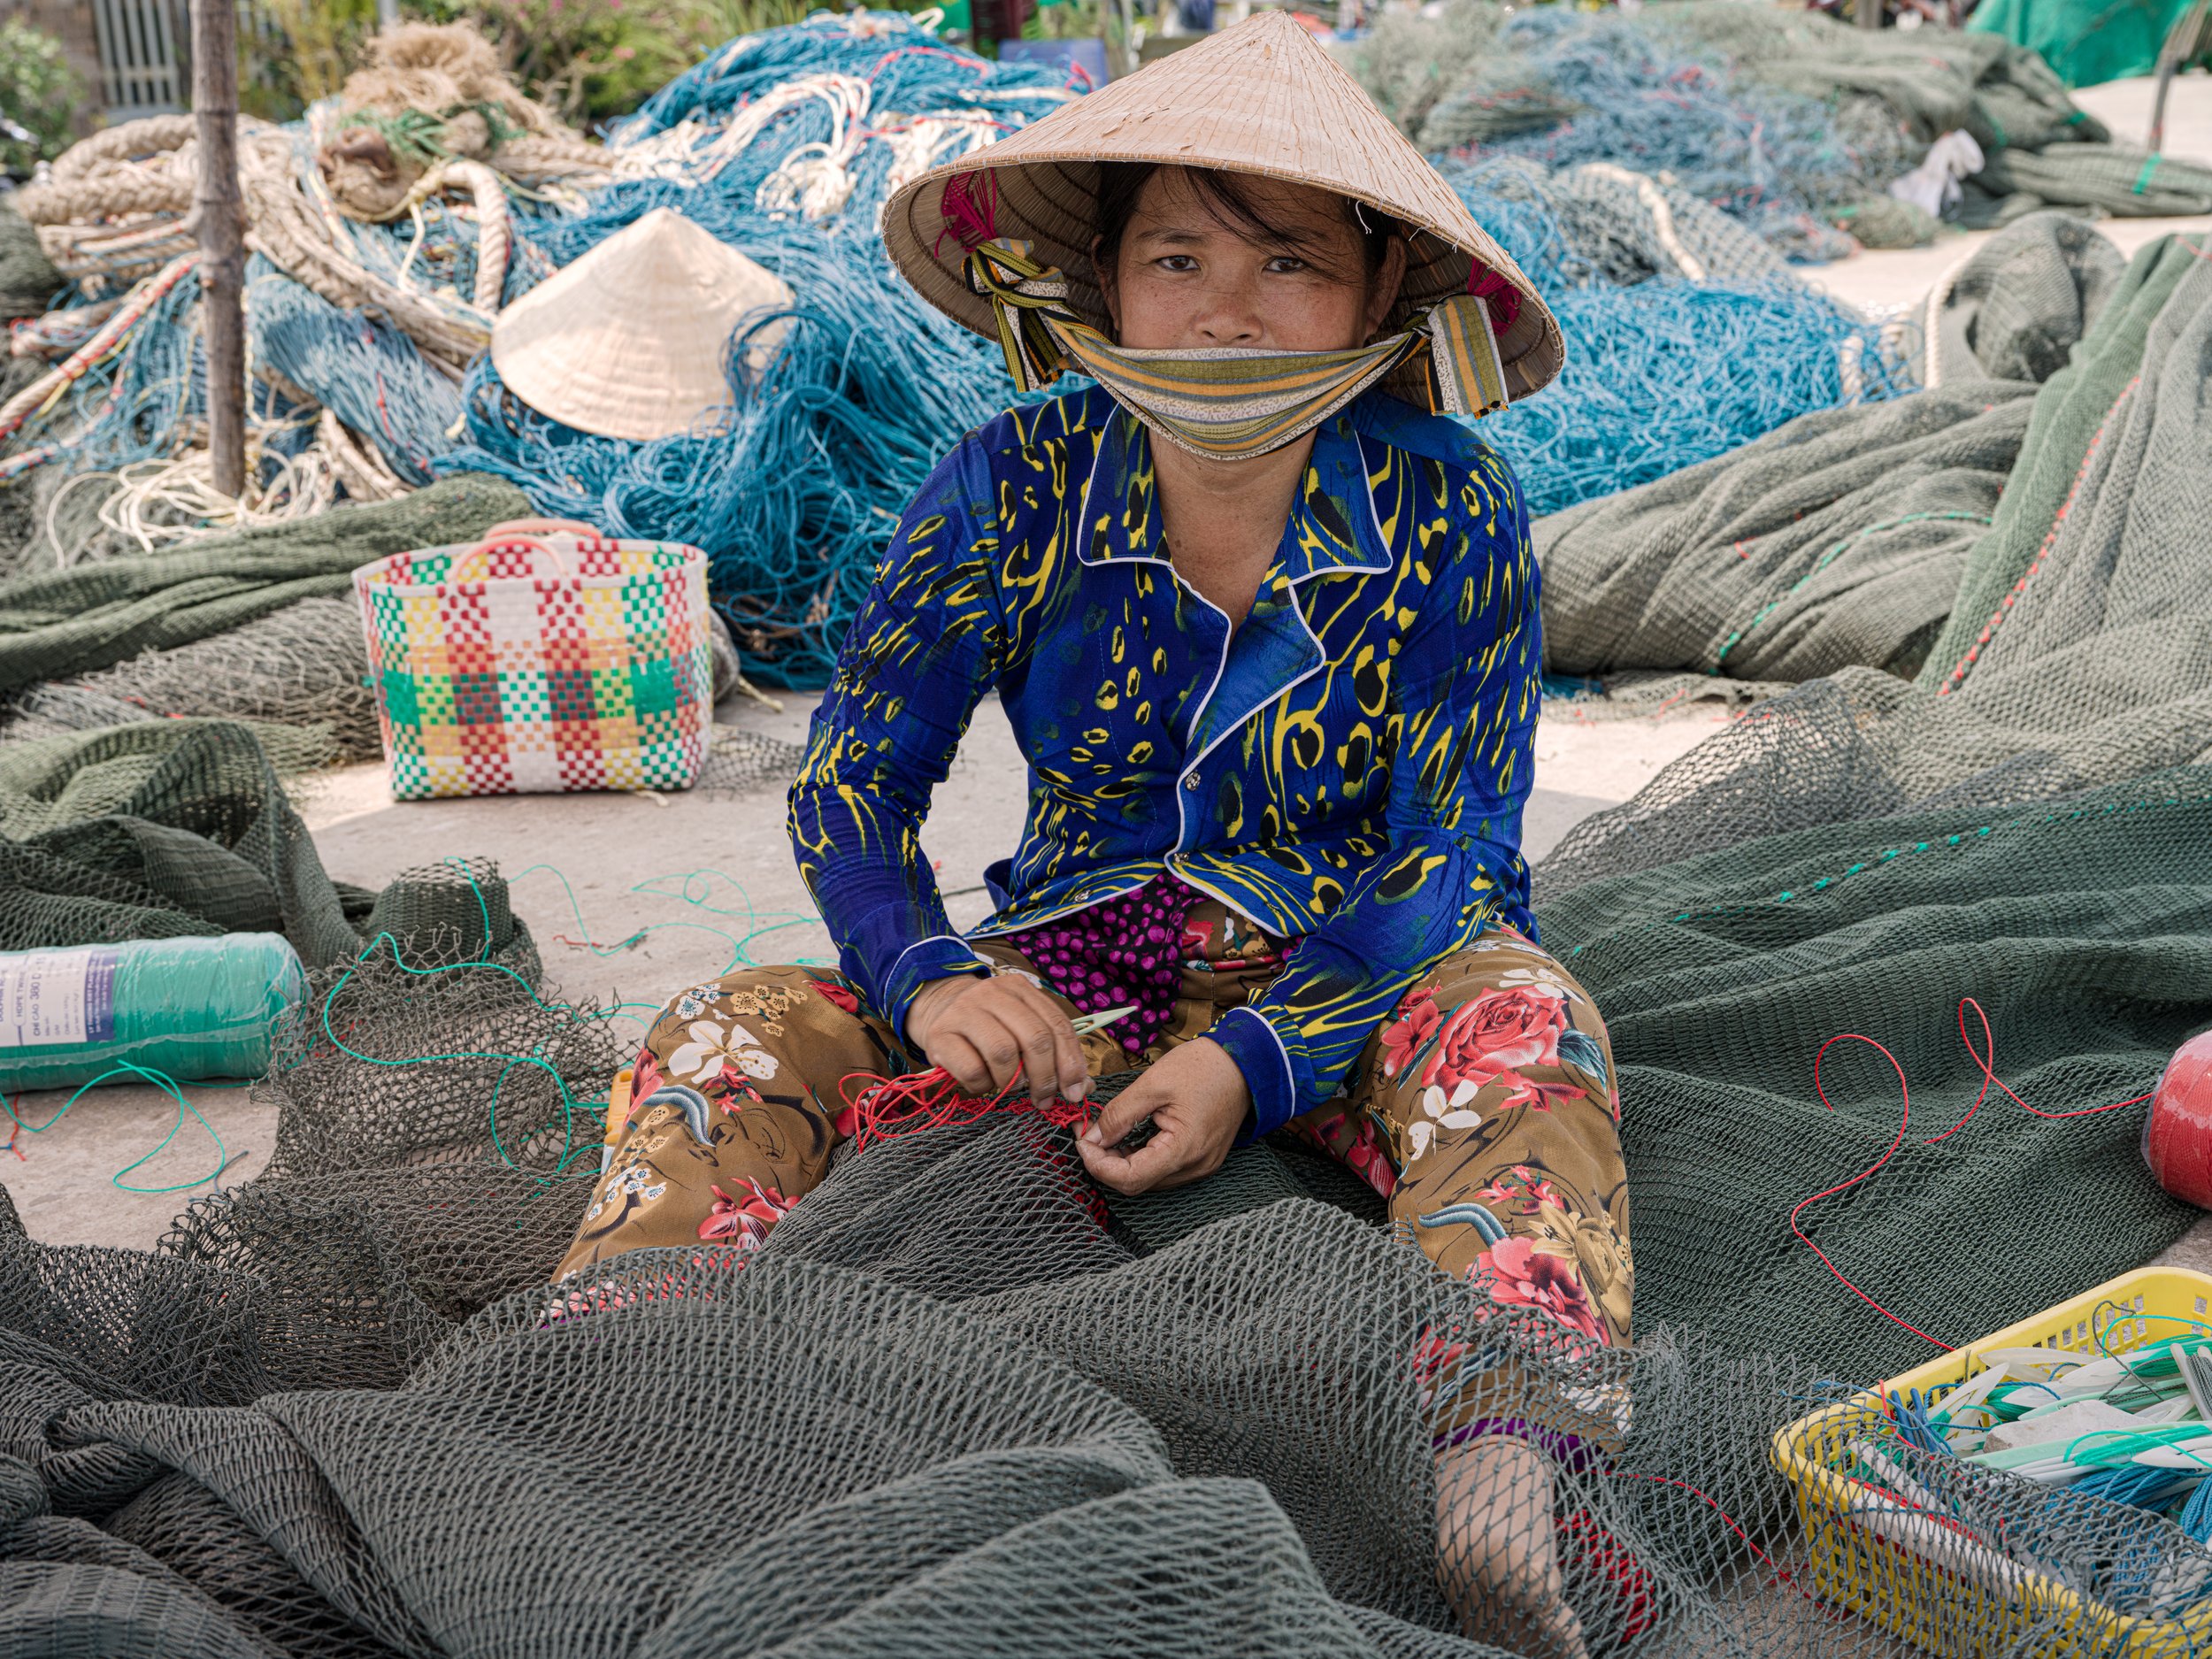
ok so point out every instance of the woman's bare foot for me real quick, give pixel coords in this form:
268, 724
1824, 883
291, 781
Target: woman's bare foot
1497, 1558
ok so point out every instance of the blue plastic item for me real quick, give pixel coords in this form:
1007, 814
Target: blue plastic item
192, 1009
1085, 56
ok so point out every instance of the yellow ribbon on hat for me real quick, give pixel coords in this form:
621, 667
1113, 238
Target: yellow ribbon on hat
1228, 402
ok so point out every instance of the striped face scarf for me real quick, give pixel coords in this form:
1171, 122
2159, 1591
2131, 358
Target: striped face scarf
1228, 402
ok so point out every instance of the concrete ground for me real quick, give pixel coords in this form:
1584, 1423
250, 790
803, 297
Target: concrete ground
709, 878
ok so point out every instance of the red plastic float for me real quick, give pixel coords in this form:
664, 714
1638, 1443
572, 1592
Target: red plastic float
2178, 1137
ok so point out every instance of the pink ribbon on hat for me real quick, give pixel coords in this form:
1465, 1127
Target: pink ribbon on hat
969, 208
1498, 293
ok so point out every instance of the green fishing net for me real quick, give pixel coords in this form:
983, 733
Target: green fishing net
302, 667
1841, 538
165, 829
2110, 178
959, 1404
2021, 824
2077, 651
29, 281
60, 623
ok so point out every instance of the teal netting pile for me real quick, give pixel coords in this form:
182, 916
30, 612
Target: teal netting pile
935, 100
784, 144
1793, 123
367, 374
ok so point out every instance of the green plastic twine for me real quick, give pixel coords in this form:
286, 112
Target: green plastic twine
570, 1150
2121, 1445
693, 884
1829, 557
168, 1086
689, 891
568, 1100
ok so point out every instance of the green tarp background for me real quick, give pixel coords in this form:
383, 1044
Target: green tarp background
2086, 42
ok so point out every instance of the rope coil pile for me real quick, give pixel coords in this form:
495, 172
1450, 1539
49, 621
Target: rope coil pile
365, 307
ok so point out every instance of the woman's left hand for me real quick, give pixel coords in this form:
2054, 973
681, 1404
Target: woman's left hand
1197, 1098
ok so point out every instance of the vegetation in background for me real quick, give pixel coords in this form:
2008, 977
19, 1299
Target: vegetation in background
1062, 20
38, 94
300, 51
588, 60
584, 59
733, 17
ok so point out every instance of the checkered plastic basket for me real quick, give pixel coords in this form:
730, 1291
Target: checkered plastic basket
544, 658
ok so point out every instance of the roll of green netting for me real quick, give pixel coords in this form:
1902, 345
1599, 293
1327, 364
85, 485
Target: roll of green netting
191, 1008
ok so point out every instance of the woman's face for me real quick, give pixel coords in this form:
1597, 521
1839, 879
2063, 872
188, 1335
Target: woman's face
1187, 276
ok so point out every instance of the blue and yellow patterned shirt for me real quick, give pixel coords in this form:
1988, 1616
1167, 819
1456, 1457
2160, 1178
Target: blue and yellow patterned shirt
1346, 768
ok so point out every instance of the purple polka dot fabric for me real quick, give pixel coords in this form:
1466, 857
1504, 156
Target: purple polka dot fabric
1125, 951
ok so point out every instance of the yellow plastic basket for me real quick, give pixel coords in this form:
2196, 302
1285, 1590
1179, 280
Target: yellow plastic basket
1953, 1599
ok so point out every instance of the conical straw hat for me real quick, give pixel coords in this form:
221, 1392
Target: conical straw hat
629, 341
1262, 97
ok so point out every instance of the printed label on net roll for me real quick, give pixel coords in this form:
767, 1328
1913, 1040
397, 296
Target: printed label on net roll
48, 999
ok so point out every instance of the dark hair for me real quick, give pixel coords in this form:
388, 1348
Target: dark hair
1231, 194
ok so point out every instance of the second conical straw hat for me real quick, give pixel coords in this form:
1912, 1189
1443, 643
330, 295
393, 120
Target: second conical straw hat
1262, 97
630, 340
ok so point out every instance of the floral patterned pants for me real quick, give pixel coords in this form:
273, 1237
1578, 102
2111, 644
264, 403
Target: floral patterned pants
1484, 1111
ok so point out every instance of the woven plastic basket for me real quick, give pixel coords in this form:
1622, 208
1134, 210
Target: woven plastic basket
1867, 1558
545, 658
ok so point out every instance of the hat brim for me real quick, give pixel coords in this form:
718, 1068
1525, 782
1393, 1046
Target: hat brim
1261, 99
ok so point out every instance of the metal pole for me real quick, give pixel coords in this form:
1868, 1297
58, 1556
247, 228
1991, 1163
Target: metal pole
387, 15
1870, 13
221, 219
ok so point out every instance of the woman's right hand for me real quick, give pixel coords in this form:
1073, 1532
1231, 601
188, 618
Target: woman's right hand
982, 1031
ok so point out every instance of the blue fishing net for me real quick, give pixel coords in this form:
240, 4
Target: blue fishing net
1763, 155
135, 406
1661, 373
362, 369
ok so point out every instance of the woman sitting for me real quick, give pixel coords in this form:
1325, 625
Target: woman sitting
1266, 629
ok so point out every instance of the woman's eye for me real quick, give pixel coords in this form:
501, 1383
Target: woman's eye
1284, 264
1179, 262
